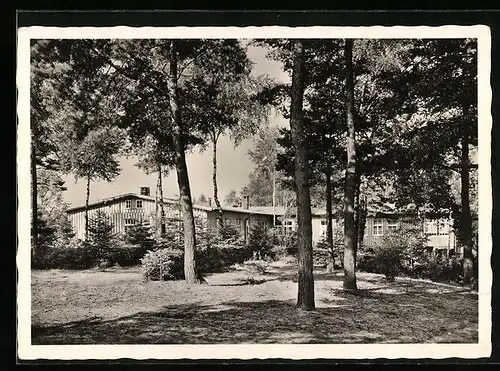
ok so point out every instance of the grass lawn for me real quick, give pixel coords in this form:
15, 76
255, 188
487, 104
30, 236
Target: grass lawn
118, 307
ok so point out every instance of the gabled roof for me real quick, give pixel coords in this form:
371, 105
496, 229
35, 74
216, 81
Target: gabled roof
124, 196
166, 200
280, 210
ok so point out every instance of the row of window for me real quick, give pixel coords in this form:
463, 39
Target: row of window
432, 227
138, 204
133, 222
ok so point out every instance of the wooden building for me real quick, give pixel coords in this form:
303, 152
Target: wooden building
131, 209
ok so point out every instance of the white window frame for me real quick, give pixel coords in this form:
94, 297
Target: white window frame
128, 204
431, 227
446, 225
378, 227
137, 203
392, 226
130, 222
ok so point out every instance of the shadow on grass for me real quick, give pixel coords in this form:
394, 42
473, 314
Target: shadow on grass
370, 317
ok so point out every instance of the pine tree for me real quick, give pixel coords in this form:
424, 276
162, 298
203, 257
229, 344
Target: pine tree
101, 234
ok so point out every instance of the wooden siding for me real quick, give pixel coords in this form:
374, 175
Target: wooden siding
243, 220
119, 215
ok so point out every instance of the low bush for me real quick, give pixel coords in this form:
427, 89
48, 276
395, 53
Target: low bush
80, 256
260, 242
161, 264
280, 252
84, 255
438, 268
125, 255
168, 264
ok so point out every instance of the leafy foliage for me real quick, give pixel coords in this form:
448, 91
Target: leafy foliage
140, 235
260, 242
215, 252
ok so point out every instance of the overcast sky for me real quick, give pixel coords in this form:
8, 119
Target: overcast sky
234, 164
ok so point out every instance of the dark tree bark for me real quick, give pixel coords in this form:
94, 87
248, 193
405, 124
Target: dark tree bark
350, 177
465, 227
357, 180
329, 217
360, 213
305, 299
34, 203
185, 200
214, 182
361, 223
87, 200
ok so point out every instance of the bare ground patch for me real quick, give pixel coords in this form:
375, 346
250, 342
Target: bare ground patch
118, 307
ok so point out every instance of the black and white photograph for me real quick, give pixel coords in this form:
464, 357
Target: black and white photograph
254, 192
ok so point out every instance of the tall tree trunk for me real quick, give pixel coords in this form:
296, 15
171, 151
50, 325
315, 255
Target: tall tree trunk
359, 221
185, 200
356, 207
34, 203
350, 178
162, 206
329, 217
214, 182
465, 228
361, 224
87, 199
305, 299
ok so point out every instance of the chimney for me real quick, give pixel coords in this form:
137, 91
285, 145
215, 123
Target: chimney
210, 201
247, 202
145, 191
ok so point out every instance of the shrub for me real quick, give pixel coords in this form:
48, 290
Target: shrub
322, 254
215, 251
81, 256
388, 258
260, 242
438, 268
365, 261
124, 255
280, 252
101, 235
142, 236
217, 258
290, 242
159, 265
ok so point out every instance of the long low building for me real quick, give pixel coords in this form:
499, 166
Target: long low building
130, 209
127, 210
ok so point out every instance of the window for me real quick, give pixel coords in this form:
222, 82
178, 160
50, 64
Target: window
431, 227
378, 227
128, 204
129, 223
392, 226
138, 204
443, 227
238, 222
261, 223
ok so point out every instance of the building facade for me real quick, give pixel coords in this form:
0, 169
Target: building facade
127, 210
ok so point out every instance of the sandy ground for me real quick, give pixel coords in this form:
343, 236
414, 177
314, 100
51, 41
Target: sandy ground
118, 307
